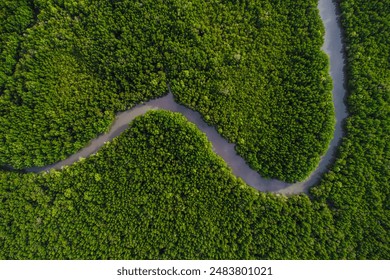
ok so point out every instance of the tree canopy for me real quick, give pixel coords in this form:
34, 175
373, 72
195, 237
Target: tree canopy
158, 191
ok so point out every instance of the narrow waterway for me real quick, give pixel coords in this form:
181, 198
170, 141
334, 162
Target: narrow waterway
333, 47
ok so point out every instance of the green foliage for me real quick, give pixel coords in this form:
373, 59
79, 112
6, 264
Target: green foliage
358, 185
255, 70
15, 17
156, 192
76, 67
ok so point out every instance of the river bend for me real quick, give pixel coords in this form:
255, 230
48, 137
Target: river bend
333, 47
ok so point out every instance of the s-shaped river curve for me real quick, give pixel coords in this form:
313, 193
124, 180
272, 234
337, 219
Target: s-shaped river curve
333, 47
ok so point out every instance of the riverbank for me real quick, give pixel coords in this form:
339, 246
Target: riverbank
333, 47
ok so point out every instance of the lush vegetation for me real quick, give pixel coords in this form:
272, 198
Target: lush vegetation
358, 187
254, 69
159, 192
71, 74
15, 17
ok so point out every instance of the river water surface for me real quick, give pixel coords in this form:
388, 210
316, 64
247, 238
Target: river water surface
333, 47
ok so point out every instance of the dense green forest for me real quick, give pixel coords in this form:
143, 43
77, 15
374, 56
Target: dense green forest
261, 79
358, 187
73, 73
158, 191
253, 69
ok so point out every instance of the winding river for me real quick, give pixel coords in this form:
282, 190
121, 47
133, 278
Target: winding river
333, 46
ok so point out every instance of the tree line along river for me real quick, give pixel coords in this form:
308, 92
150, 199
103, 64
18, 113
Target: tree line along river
333, 47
